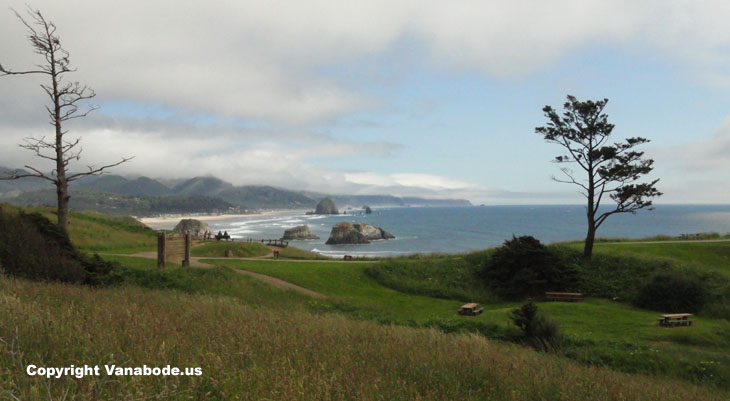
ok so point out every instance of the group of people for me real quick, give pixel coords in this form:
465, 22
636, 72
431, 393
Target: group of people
208, 235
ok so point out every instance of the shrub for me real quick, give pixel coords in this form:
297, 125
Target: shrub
672, 292
33, 247
539, 331
525, 267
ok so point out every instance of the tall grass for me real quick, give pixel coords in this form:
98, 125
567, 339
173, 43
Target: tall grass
251, 353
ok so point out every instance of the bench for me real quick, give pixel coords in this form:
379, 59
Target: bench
564, 296
675, 320
470, 309
219, 237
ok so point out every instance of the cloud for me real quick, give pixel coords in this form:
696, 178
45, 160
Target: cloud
709, 154
263, 60
264, 66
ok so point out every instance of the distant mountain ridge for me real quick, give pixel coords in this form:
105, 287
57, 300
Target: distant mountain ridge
206, 193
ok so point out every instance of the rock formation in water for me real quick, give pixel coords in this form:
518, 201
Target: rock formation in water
367, 209
196, 227
359, 233
326, 206
298, 233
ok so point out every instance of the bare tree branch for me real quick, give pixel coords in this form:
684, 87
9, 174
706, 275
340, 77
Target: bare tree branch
65, 99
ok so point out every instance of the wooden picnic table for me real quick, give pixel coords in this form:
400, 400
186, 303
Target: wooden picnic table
564, 296
675, 319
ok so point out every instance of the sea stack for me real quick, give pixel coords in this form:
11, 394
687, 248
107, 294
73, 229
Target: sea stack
367, 209
196, 227
299, 233
326, 206
359, 233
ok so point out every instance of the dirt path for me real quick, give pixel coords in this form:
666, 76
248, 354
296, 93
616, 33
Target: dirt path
195, 262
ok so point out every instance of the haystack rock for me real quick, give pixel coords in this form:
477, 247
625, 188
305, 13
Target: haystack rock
298, 233
359, 233
326, 206
196, 227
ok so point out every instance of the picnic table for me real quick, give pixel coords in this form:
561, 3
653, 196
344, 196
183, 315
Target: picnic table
675, 320
564, 296
470, 309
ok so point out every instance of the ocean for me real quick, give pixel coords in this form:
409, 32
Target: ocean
463, 229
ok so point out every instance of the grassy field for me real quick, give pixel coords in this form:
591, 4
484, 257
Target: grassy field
254, 353
599, 332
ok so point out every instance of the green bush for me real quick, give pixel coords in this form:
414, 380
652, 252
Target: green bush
673, 292
33, 247
525, 267
539, 331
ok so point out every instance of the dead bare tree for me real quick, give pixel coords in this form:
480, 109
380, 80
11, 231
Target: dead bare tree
65, 97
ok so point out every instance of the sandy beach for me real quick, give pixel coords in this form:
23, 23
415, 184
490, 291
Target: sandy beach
175, 218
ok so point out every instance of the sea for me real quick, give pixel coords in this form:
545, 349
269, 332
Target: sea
464, 229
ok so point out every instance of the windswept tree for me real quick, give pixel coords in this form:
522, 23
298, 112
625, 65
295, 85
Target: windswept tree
609, 169
65, 99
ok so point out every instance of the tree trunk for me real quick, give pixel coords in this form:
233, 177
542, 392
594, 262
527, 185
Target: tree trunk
588, 247
62, 210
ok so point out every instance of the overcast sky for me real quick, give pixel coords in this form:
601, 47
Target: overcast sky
429, 98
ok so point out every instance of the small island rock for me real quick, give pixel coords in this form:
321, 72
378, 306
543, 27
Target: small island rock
196, 227
359, 233
299, 233
367, 209
326, 206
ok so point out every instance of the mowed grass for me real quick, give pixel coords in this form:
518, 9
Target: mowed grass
255, 353
347, 282
598, 331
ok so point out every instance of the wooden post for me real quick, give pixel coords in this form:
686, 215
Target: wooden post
161, 249
186, 260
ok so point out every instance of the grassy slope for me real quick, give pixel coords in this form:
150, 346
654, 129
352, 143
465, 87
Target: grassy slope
710, 256
96, 232
256, 353
600, 332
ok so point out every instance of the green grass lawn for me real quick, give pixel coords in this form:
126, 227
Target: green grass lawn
599, 332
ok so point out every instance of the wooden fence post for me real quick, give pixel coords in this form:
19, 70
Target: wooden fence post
186, 260
161, 249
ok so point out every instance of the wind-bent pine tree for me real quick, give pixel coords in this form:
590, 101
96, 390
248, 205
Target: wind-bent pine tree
611, 169
65, 97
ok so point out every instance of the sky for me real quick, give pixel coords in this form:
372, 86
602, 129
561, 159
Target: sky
420, 98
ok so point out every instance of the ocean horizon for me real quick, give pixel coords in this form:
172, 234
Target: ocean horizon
464, 229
